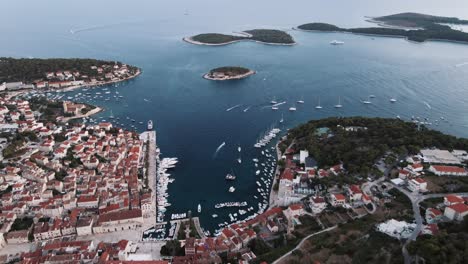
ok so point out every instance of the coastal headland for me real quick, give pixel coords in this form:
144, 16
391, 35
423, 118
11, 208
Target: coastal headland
59, 74
228, 73
412, 26
264, 36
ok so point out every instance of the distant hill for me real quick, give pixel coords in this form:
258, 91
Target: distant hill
426, 27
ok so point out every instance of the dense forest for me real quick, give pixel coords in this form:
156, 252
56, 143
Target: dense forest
448, 246
262, 35
229, 70
430, 27
214, 38
418, 20
360, 149
30, 70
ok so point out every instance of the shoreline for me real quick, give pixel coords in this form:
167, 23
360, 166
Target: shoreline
94, 111
237, 77
71, 88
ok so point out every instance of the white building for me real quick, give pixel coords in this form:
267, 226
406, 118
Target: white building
417, 185
456, 212
303, 154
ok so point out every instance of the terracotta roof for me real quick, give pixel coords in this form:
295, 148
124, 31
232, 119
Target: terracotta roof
450, 169
454, 198
459, 208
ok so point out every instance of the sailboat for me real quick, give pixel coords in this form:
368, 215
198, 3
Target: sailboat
282, 119
273, 101
339, 103
292, 108
318, 106
301, 101
367, 101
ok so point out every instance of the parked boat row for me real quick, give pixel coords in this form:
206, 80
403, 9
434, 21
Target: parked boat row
230, 204
267, 138
163, 180
178, 216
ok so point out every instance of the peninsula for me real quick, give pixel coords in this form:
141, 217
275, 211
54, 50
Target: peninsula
58, 73
412, 26
228, 73
265, 36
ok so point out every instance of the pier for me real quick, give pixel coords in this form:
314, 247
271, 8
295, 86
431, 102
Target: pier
150, 173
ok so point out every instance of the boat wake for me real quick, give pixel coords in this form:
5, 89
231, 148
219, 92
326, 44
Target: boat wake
247, 109
97, 27
427, 105
218, 149
461, 64
231, 108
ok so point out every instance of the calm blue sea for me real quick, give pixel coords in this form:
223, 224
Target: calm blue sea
428, 80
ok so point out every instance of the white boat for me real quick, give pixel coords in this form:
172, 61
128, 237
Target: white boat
273, 101
255, 160
199, 208
336, 42
367, 101
318, 105
274, 108
282, 119
239, 160
239, 148
300, 101
339, 103
292, 108
371, 96
257, 172
214, 215
393, 100
231, 189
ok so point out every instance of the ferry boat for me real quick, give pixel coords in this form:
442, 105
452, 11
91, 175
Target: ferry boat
150, 125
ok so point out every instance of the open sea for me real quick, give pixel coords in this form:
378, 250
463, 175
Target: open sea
429, 80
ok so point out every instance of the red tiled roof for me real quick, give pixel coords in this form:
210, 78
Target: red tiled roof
420, 180
450, 169
454, 198
339, 196
459, 208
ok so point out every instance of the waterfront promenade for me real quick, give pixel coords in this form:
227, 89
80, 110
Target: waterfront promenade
150, 137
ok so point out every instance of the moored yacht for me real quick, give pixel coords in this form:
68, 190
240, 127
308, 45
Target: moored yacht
150, 125
393, 100
336, 42
231, 189
339, 103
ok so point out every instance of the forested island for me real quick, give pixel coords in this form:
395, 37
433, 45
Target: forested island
266, 36
421, 27
59, 72
228, 73
358, 142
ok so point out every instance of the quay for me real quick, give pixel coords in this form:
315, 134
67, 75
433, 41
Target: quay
150, 172
196, 223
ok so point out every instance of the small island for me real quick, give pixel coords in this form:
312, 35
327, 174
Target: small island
412, 26
265, 36
59, 73
228, 73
